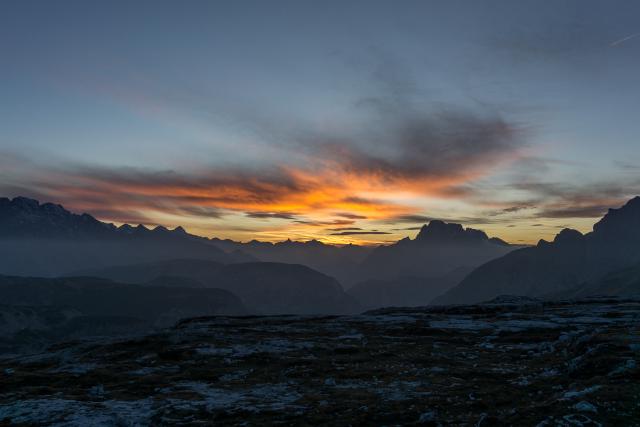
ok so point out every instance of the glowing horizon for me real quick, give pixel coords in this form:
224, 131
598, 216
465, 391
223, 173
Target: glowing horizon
518, 121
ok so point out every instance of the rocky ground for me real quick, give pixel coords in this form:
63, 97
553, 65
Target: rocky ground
512, 362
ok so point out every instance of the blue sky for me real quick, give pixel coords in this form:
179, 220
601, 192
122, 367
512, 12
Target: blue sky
244, 119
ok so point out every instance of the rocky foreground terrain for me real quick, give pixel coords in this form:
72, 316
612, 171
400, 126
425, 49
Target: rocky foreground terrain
509, 362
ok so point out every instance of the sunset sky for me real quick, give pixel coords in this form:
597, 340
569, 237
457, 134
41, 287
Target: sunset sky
341, 121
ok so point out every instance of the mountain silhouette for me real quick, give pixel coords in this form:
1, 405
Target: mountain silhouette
47, 240
23, 218
413, 272
550, 268
438, 249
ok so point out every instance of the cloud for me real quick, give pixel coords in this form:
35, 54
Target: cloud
569, 199
514, 209
560, 34
316, 223
588, 211
628, 166
421, 219
410, 219
430, 153
345, 229
321, 176
426, 156
276, 215
123, 217
358, 233
201, 211
350, 215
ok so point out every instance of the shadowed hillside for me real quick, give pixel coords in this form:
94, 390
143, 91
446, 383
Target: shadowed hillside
264, 287
549, 268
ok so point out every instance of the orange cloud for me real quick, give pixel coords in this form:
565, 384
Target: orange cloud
382, 176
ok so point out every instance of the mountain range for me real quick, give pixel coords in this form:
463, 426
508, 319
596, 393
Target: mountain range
47, 240
444, 264
412, 272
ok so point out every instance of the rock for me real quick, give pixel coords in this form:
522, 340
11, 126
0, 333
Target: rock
261, 370
585, 406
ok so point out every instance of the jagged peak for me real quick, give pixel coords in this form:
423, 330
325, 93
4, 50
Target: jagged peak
477, 233
543, 243
634, 201
52, 207
498, 241
25, 202
623, 219
568, 235
179, 230
440, 230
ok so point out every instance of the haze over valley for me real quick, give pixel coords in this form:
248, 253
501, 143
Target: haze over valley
54, 258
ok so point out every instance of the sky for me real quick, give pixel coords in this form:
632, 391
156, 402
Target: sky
342, 121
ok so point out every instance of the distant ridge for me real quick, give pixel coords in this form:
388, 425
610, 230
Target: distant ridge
413, 272
45, 239
24, 217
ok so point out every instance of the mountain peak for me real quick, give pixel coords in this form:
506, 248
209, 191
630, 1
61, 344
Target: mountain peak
568, 236
635, 201
53, 208
440, 231
25, 203
620, 221
126, 228
23, 216
437, 227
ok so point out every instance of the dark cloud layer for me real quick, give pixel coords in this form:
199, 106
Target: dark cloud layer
411, 219
358, 233
277, 215
350, 215
583, 200
589, 211
345, 229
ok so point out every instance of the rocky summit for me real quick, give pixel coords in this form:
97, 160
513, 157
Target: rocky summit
513, 361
